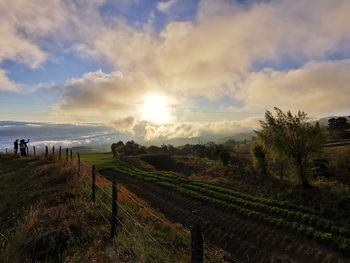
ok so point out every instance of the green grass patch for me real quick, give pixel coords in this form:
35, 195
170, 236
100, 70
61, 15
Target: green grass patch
46, 216
298, 219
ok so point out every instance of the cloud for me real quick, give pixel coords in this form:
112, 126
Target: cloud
5, 83
165, 6
17, 48
153, 131
41, 134
211, 55
105, 96
32, 31
125, 125
22, 23
320, 88
214, 55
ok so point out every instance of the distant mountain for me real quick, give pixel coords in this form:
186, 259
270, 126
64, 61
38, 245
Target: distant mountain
238, 137
175, 141
200, 140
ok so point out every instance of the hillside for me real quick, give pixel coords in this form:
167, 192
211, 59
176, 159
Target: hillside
252, 227
46, 216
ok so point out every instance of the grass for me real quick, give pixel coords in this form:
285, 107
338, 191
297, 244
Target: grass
24, 182
101, 160
57, 222
278, 213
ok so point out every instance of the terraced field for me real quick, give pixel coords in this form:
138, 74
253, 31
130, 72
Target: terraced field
253, 229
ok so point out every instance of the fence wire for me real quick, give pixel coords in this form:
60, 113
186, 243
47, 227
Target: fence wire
88, 170
85, 170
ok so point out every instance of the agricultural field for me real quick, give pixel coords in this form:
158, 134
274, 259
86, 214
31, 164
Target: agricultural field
255, 229
46, 216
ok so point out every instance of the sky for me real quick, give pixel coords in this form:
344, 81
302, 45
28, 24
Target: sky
177, 68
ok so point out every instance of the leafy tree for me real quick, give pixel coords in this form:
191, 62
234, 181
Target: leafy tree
293, 136
164, 148
131, 148
154, 149
199, 150
171, 149
280, 167
339, 128
113, 149
118, 149
224, 157
260, 159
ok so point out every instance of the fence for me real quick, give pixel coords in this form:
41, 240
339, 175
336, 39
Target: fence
197, 243
85, 171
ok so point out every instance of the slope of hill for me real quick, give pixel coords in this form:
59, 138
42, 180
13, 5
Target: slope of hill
253, 228
46, 216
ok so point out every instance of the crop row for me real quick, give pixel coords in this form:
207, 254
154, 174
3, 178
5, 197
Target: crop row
310, 220
340, 243
260, 204
320, 230
225, 190
266, 201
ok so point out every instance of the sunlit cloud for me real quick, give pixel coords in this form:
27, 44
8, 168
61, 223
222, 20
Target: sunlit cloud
259, 54
319, 88
155, 131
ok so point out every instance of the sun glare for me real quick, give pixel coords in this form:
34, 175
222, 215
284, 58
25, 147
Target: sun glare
155, 109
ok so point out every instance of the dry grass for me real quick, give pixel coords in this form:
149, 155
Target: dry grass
58, 223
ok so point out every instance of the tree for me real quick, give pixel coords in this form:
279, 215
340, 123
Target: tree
339, 128
260, 159
154, 149
113, 149
224, 156
293, 136
118, 149
131, 148
280, 166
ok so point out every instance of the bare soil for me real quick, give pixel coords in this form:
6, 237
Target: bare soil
247, 240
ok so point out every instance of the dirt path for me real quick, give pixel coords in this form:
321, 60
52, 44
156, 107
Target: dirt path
249, 241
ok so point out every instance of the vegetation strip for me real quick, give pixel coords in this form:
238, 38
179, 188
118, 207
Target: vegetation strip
262, 205
318, 229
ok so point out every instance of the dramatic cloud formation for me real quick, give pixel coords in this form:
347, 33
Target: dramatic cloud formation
33, 30
208, 57
259, 54
317, 88
105, 96
153, 131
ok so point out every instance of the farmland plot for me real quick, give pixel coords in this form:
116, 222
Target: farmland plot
253, 229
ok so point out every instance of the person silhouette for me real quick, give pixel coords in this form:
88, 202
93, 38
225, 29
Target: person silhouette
23, 147
15, 146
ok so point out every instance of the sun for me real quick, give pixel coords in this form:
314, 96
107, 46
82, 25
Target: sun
155, 109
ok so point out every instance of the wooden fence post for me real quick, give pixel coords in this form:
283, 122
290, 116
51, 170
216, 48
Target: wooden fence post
71, 154
78, 164
6, 151
34, 152
46, 151
114, 208
93, 184
53, 151
67, 155
196, 244
60, 153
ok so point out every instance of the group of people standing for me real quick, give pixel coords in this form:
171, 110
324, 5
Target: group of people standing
22, 144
